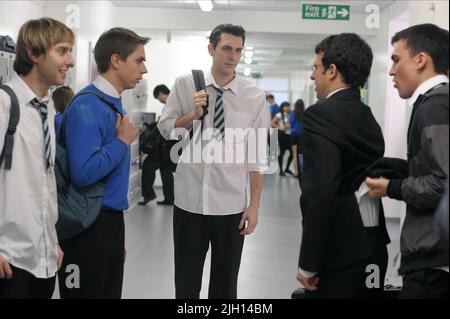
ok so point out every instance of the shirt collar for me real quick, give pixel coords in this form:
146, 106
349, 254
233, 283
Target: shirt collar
233, 86
24, 93
426, 86
105, 86
335, 91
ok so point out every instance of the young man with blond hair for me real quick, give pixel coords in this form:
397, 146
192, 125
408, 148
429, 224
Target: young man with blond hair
29, 252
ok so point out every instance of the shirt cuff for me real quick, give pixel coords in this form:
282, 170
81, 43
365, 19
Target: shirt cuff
394, 189
307, 274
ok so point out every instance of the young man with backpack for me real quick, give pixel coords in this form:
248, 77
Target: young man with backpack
97, 138
29, 251
158, 152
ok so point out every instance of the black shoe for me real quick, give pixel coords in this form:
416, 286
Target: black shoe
165, 203
282, 173
288, 171
146, 200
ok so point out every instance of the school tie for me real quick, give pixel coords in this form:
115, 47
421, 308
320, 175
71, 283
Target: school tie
43, 111
219, 115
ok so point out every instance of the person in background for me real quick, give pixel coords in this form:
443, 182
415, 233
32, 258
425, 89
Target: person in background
157, 161
295, 120
161, 93
281, 122
61, 98
273, 106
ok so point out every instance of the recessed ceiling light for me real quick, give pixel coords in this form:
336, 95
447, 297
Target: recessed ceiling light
205, 5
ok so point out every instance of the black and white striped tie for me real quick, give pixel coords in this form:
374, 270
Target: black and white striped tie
43, 111
219, 115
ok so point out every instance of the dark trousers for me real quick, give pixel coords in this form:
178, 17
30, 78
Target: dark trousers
350, 282
149, 168
425, 284
284, 141
192, 235
99, 253
24, 285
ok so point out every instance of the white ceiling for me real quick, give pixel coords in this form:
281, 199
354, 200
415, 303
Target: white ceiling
252, 5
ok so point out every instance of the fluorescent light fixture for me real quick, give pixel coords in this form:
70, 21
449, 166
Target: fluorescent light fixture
205, 5
248, 54
247, 71
249, 48
248, 60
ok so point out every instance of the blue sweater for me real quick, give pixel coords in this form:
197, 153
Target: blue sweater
296, 125
93, 149
58, 118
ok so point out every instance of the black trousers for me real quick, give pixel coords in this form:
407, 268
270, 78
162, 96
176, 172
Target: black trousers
192, 235
350, 282
99, 254
285, 143
24, 285
149, 168
425, 284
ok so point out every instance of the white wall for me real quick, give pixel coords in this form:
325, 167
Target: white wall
166, 61
301, 86
15, 13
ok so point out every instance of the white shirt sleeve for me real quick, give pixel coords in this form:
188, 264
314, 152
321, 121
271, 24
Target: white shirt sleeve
173, 110
307, 274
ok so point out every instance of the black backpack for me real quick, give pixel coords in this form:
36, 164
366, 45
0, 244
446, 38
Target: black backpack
150, 140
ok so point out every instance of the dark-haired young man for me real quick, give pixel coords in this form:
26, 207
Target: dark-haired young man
29, 251
420, 71
98, 142
158, 161
273, 106
344, 232
161, 93
211, 198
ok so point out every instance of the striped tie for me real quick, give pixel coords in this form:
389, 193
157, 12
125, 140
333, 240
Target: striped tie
219, 115
42, 109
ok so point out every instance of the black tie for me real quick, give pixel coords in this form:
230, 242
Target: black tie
219, 115
42, 109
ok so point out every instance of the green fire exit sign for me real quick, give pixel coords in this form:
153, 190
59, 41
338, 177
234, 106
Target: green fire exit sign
325, 11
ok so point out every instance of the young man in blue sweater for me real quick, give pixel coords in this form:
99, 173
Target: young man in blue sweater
98, 142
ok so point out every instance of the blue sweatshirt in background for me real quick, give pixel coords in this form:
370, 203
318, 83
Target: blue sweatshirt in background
93, 149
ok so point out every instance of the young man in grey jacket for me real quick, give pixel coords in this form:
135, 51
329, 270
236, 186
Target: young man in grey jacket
420, 71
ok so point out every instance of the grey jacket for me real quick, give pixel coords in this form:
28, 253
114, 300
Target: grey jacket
428, 147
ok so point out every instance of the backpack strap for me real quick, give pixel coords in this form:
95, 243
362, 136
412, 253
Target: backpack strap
14, 117
62, 139
199, 80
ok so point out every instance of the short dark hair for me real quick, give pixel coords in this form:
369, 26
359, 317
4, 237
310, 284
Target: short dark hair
61, 98
118, 41
235, 30
427, 38
269, 96
299, 108
351, 55
160, 88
